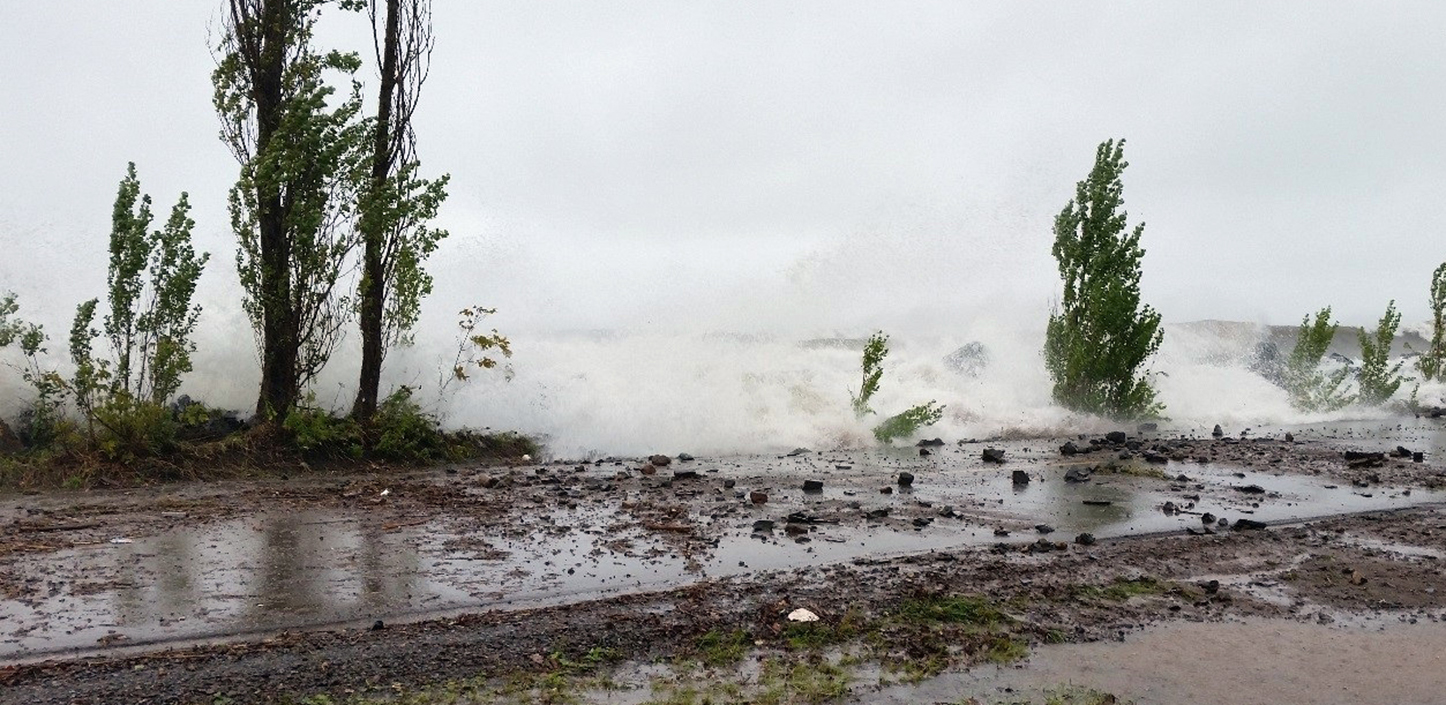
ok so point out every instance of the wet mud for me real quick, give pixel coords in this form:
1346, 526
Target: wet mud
238, 579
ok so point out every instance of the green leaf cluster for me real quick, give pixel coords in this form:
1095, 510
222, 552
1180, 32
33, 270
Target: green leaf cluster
875, 350
1310, 388
1099, 340
1432, 363
909, 422
1378, 380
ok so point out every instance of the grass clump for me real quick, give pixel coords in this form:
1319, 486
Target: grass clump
717, 648
1121, 589
959, 609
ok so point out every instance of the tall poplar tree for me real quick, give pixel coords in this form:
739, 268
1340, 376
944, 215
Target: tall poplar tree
1101, 337
303, 163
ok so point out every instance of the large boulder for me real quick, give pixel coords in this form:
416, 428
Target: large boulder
969, 360
9, 442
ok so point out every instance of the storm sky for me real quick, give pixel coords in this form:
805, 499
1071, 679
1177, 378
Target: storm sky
627, 163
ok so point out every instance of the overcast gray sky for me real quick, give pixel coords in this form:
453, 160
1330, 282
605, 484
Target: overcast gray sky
634, 163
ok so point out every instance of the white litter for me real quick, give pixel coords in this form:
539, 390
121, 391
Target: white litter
802, 615
386, 492
120, 541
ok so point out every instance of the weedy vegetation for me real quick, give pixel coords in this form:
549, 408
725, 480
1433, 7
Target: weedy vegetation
1310, 388
1378, 380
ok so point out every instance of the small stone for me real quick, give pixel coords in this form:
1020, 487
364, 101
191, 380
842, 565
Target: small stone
993, 455
660, 460
648, 469
886, 490
930, 442
763, 525
798, 451
813, 485
1044, 528
684, 457
1418, 457
1020, 478
1116, 437
1069, 448
685, 475
906, 479
1218, 432
1001, 532
925, 452
1289, 437
1085, 539
1249, 525
378, 626
757, 497
729, 483
922, 522
1207, 518
1077, 475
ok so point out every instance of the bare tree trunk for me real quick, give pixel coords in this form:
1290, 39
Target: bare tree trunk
374, 276
266, 58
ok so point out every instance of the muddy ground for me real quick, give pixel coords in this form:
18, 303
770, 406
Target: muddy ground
277, 590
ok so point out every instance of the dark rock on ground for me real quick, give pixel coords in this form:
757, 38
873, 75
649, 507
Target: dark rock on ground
930, 442
648, 469
763, 525
1289, 437
757, 497
660, 461
685, 475
1217, 432
1085, 539
684, 457
1044, 528
1402, 452
886, 490
1069, 448
813, 485
798, 451
906, 479
1077, 475
922, 521
924, 453
1020, 477
729, 483
1250, 489
1418, 457
993, 455
1115, 437
1249, 525
1207, 518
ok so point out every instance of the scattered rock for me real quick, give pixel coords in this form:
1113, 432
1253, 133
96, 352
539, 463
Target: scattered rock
1085, 539
813, 485
1069, 448
1207, 518
993, 455
922, 522
1250, 489
1115, 437
795, 529
1147, 427
1418, 457
648, 469
932, 442
660, 461
1249, 525
684, 457
924, 453
763, 525
1217, 432
757, 497
798, 451
879, 513
1097, 503
886, 490
1020, 478
1155, 458
1077, 475
802, 615
685, 475
1289, 437
906, 479
378, 626
1001, 532
1044, 528
729, 483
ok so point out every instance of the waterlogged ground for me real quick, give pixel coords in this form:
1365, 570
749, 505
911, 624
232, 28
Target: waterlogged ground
365, 585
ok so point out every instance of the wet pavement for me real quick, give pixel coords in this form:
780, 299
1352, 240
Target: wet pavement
261, 572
